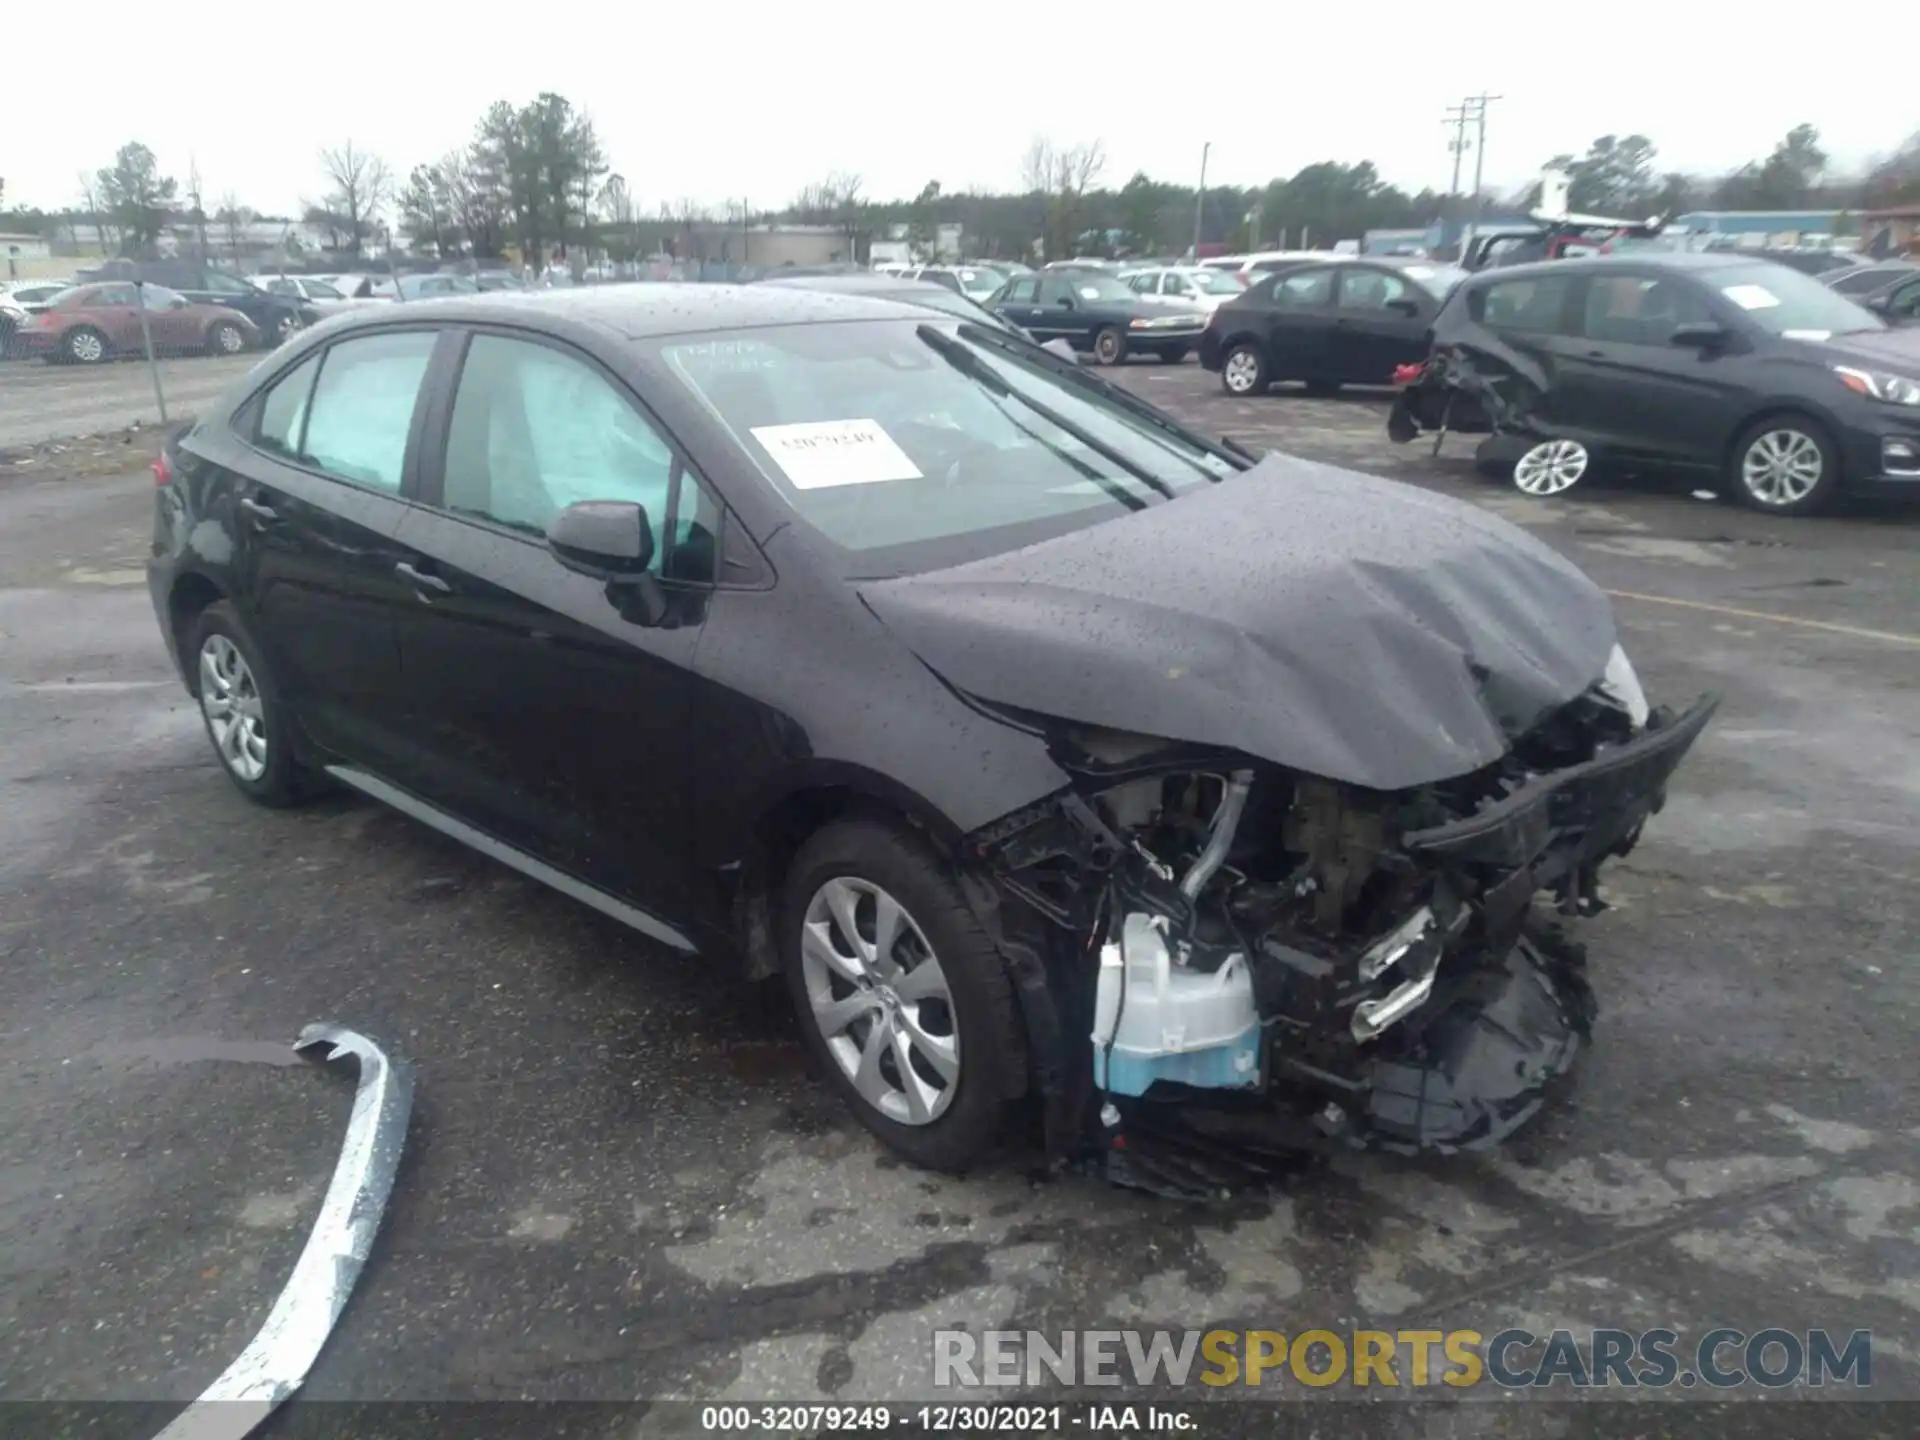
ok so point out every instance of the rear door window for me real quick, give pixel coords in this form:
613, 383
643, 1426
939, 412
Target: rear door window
362, 408
1640, 309
1304, 289
1021, 292
283, 413
1534, 306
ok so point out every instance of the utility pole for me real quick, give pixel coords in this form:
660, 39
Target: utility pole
1200, 201
1456, 117
1478, 107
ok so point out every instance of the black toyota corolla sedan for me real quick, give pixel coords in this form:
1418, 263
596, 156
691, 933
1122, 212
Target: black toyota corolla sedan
1047, 748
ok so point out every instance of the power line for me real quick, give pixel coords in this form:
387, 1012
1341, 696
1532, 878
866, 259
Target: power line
1472, 111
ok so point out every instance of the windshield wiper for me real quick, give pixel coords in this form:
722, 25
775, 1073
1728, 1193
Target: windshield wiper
956, 354
1126, 399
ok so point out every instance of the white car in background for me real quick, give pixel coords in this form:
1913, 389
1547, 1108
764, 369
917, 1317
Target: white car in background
1184, 286
33, 296
329, 294
976, 282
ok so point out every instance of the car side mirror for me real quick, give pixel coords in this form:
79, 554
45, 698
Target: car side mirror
1701, 336
1408, 308
605, 539
1881, 305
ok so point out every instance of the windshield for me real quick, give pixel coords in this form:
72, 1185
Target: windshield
951, 302
321, 290
1788, 303
887, 435
1215, 282
1437, 280
982, 280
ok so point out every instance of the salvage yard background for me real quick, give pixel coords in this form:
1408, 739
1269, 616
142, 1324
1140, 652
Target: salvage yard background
622, 1183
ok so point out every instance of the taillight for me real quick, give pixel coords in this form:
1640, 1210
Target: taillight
162, 471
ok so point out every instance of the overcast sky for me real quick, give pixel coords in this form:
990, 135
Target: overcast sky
755, 100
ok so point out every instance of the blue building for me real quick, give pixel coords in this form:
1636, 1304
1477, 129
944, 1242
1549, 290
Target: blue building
1761, 227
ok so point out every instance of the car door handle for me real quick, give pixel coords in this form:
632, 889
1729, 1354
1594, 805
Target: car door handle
421, 580
265, 514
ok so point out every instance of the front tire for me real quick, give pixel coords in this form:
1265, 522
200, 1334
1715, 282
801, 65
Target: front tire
902, 998
1109, 346
1244, 370
246, 720
1785, 465
285, 328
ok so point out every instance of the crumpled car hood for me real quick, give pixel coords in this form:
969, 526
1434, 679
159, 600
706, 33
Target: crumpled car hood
1324, 620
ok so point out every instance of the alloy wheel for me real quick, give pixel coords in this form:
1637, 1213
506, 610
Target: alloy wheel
1106, 348
290, 325
230, 340
1242, 371
86, 347
1782, 467
236, 716
1551, 467
881, 1000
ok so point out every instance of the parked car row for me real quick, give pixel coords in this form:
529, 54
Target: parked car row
88, 324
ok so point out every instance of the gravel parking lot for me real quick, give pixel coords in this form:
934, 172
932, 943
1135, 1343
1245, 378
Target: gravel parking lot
50, 402
621, 1181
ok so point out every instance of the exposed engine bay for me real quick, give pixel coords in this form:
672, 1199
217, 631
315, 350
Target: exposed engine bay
1249, 960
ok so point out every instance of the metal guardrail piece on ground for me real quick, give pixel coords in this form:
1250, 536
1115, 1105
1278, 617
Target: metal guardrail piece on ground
278, 1358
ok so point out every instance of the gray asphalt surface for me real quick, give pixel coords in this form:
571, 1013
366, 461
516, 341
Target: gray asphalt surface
41, 402
622, 1183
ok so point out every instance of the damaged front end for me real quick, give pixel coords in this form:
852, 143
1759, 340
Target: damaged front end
1252, 960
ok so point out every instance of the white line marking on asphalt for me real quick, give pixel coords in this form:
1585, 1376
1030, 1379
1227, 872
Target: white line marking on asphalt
1892, 637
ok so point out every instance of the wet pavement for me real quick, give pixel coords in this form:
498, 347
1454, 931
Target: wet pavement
621, 1181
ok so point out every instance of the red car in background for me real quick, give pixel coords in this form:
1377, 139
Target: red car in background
92, 323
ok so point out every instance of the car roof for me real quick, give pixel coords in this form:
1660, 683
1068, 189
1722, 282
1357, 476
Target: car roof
862, 284
644, 310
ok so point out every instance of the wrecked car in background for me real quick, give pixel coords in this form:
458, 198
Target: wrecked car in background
1043, 745
1752, 375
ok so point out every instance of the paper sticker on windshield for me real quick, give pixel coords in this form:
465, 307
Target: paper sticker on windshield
1089, 292
1751, 297
824, 453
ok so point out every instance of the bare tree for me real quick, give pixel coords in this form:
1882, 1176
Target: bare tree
105, 236
234, 218
1062, 175
197, 211
623, 229
361, 187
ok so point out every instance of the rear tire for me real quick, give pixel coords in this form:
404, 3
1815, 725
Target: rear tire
978, 1018
1785, 465
246, 720
1109, 346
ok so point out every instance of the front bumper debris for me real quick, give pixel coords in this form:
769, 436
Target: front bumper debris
277, 1359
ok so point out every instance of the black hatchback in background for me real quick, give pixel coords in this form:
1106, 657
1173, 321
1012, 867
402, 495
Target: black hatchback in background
1338, 322
1097, 315
1730, 366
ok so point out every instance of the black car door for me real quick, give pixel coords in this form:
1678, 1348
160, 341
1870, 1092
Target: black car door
1016, 304
1626, 380
315, 502
539, 708
1381, 321
1299, 320
1056, 313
